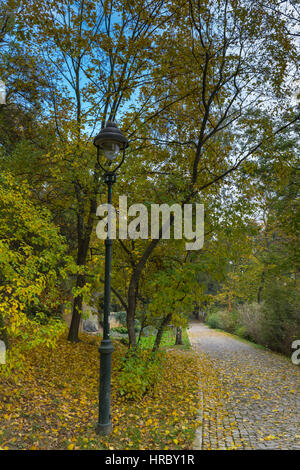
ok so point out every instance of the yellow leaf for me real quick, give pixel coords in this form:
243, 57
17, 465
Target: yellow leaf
269, 438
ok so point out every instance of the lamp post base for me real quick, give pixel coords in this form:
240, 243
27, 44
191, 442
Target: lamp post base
104, 425
104, 429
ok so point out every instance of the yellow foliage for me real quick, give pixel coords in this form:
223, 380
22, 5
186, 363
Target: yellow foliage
55, 404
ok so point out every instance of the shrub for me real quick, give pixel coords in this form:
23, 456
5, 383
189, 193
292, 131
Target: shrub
140, 371
213, 320
281, 317
241, 331
228, 320
250, 317
119, 329
222, 319
276, 322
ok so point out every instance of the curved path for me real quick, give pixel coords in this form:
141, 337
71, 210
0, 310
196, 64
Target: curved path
251, 397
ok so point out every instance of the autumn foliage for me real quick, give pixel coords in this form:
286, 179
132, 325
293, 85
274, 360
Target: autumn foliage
206, 94
54, 405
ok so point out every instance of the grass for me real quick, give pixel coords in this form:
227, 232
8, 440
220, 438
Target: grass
167, 342
240, 338
252, 343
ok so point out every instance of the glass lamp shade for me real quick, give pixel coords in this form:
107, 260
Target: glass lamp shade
110, 150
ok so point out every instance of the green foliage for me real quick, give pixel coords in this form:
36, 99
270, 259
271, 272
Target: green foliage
92, 75
262, 282
281, 317
213, 320
275, 323
168, 340
241, 331
123, 329
250, 321
223, 320
140, 371
32, 263
119, 329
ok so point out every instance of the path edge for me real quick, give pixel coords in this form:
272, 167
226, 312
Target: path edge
197, 444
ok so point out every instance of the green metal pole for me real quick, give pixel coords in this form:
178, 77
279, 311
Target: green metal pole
104, 425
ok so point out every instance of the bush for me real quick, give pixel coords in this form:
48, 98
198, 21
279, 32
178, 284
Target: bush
228, 320
250, 318
241, 331
140, 371
275, 323
223, 320
213, 320
119, 329
280, 317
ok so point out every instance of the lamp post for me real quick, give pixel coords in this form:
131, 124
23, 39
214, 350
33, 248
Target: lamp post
111, 141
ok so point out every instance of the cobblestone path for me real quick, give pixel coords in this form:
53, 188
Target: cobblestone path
251, 397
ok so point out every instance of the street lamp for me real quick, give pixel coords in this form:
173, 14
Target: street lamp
111, 141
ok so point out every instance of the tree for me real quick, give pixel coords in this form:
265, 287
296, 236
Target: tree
263, 256
97, 55
184, 91
208, 129
32, 262
178, 340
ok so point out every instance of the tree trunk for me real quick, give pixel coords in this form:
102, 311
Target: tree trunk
133, 292
196, 312
131, 314
178, 336
160, 331
76, 312
83, 235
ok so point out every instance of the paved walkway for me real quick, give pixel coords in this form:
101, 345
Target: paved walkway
251, 397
